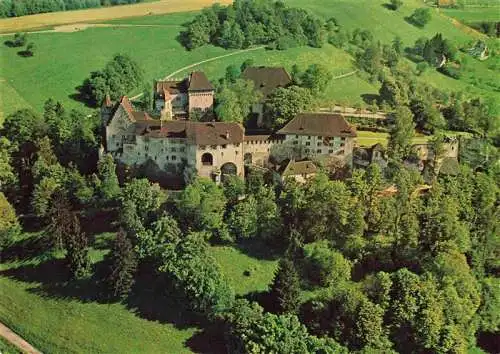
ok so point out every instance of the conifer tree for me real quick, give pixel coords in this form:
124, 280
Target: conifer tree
123, 266
285, 290
77, 254
60, 220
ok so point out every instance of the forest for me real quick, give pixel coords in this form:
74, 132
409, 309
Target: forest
246, 23
16, 8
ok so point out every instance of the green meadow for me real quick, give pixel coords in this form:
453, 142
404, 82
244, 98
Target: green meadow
63, 60
57, 316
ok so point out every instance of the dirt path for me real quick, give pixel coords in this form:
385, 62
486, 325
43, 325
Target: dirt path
83, 26
211, 59
16, 24
14, 339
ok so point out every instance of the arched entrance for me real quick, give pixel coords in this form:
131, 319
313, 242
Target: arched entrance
207, 159
228, 169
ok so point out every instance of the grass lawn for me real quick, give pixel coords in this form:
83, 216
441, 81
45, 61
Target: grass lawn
63, 60
235, 263
7, 348
475, 14
60, 317
10, 100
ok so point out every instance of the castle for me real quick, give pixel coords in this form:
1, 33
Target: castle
213, 149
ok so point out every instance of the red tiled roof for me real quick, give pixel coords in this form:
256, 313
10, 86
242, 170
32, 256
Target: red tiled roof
267, 79
300, 168
213, 133
319, 124
198, 81
171, 86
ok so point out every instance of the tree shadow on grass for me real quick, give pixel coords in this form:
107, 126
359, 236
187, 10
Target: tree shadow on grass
258, 249
209, 340
55, 281
154, 299
82, 96
369, 98
26, 249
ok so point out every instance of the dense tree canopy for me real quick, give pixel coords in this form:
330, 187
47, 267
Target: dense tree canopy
250, 22
119, 77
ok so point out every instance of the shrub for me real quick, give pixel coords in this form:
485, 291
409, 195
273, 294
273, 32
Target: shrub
420, 17
451, 71
325, 266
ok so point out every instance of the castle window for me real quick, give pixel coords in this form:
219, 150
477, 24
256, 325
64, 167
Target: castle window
319, 144
295, 142
306, 151
296, 136
318, 151
343, 139
224, 146
330, 151
166, 158
173, 149
174, 158
207, 159
342, 144
237, 144
182, 149
308, 137
236, 152
308, 143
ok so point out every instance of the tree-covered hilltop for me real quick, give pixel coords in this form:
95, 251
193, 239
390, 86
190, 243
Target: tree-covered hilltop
16, 8
249, 22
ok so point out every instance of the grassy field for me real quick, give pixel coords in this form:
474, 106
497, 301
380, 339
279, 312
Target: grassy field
60, 317
235, 263
102, 14
63, 60
10, 99
475, 14
7, 348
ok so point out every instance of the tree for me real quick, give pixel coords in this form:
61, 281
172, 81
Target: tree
285, 103
232, 73
30, 49
123, 266
402, 133
393, 93
19, 39
231, 36
234, 101
249, 330
145, 196
75, 243
22, 127
9, 225
247, 63
285, 289
420, 17
108, 187
426, 116
194, 271
120, 76
397, 42
316, 78
7, 173
201, 206
325, 266
234, 188
396, 4
243, 220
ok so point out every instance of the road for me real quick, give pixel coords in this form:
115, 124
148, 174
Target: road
13, 338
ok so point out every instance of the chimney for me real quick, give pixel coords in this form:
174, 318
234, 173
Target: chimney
227, 134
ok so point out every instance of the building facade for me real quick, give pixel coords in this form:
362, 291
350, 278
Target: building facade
213, 149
